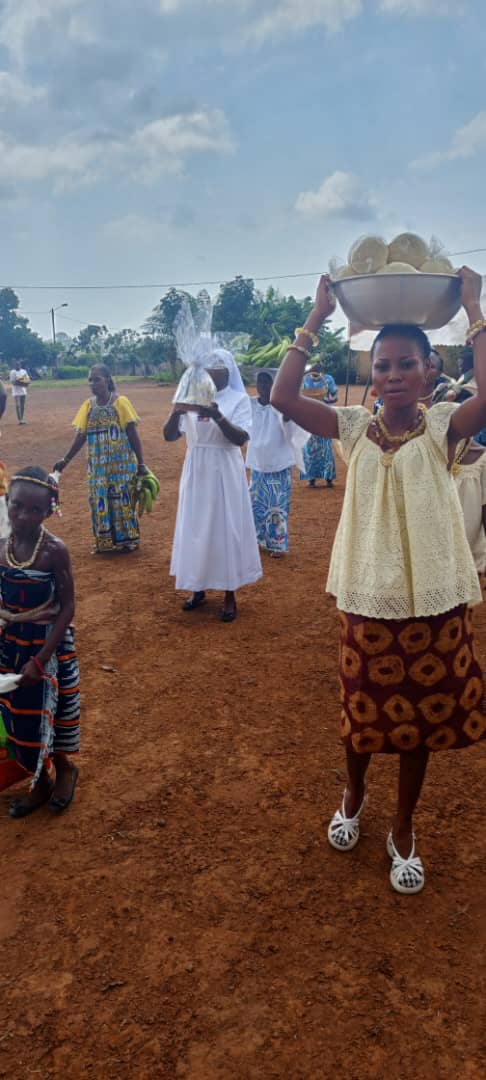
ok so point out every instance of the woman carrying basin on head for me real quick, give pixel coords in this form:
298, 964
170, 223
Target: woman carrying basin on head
410, 683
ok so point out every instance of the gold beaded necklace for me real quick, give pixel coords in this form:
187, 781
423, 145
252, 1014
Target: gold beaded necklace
14, 563
400, 440
456, 465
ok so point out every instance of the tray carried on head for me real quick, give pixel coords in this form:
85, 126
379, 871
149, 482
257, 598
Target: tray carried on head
375, 300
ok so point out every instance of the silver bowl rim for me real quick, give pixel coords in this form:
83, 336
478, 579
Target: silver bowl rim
403, 274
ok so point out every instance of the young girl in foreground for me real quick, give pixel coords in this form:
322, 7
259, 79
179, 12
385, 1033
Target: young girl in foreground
39, 720
409, 680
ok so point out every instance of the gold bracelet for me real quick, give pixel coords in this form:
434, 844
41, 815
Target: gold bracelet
479, 322
472, 334
298, 348
302, 330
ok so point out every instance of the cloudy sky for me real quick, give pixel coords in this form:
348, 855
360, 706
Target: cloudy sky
190, 140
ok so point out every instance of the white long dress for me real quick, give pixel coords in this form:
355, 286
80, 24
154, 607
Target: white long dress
215, 545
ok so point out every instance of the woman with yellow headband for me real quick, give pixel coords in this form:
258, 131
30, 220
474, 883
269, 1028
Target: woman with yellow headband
39, 677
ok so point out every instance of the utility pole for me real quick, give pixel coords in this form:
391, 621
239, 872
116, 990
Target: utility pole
53, 321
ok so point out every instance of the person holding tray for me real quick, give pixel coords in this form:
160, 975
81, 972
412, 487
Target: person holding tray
410, 682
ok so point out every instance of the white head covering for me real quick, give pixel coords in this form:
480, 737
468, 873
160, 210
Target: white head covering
222, 358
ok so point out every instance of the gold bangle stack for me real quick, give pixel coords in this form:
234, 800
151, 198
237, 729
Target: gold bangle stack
477, 328
312, 337
299, 348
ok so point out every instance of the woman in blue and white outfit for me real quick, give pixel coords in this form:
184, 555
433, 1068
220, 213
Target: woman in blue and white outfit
271, 457
318, 454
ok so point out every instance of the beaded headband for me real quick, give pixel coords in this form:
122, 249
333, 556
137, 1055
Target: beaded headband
34, 480
50, 484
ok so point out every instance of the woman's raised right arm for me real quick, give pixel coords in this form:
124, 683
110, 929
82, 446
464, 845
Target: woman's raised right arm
313, 416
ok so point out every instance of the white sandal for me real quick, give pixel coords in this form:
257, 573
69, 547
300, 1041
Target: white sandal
406, 875
343, 832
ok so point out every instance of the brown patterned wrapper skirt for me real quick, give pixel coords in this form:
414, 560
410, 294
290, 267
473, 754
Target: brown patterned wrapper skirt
410, 682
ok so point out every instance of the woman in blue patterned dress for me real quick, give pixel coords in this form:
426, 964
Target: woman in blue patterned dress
318, 453
107, 422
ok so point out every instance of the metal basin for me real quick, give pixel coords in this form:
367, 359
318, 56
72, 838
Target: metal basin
373, 300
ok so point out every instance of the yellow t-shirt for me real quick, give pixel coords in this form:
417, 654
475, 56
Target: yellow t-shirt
400, 549
124, 409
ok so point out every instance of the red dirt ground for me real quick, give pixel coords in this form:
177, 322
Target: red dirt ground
186, 917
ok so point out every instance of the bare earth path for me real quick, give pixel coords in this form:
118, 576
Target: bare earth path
186, 918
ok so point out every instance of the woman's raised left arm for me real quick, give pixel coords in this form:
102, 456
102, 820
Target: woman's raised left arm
470, 417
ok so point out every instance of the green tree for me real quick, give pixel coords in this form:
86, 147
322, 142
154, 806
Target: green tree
121, 351
17, 340
277, 314
333, 352
91, 339
236, 307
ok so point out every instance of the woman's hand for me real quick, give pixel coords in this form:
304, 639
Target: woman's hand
143, 470
325, 301
212, 412
471, 286
30, 674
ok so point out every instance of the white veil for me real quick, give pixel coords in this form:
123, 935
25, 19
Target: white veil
224, 358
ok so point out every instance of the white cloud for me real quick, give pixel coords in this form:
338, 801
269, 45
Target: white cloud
146, 153
418, 7
21, 19
13, 91
135, 229
271, 18
291, 16
340, 195
467, 141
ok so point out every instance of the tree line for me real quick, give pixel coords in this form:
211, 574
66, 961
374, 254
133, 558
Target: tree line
242, 314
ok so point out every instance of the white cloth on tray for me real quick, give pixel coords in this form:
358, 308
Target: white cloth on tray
215, 545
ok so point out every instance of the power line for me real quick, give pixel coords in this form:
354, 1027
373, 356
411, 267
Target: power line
190, 284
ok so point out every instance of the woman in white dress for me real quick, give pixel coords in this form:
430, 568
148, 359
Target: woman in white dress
215, 545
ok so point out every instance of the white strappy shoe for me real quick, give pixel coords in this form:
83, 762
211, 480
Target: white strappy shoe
406, 875
343, 832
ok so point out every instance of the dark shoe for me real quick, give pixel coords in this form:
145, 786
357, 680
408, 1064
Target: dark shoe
19, 809
197, 599
58, 803
228, 616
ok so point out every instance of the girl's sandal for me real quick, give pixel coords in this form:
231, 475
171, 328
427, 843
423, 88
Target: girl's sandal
406, 875
343, 832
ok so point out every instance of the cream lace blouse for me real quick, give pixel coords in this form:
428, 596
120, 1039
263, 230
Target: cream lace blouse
400, 549
471, 488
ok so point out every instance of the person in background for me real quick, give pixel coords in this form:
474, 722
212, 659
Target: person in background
108, 423
319, 459
215, 545
270, 457
469, 472
19, 381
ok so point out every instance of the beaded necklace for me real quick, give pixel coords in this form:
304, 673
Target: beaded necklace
14, 563
400, 440
456, 465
